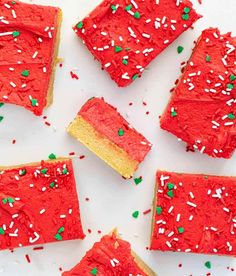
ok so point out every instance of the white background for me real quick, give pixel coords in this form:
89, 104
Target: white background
112, 199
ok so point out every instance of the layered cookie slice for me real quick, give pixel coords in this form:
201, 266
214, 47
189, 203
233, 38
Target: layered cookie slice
38, 204
194, 213
110, 256
125, 36
29, 38
202, 109
104, 131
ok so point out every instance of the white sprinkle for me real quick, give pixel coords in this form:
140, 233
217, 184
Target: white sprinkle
62, 216
11, 224
228, 123
224, 61
40, 40
42, 211
35, 54
191, 194
202, 149
213, 228
7, 6
12, 84
13, 13
31, 240
171, 234
191, 204
70, 211
166, 41
190, 218
125, 76
168, 244
107, 65
44, 69
103, 33
44, 189
146, 35
134, 4
170, 209
15, 216
226, 209
178, 217
215, 35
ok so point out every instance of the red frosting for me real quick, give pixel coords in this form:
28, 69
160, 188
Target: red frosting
27, 41
195, 213
108, 122
202, 110
125, 36
109, 257
39, 204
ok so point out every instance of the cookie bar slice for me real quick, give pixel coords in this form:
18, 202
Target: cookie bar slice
38, 204
202, 109
29, 39
100, 127
110, 256
194, 213
125, 36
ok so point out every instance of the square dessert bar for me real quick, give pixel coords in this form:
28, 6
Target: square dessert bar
29, 39
110, 256
125, 36
38, 204
101, 128
194, 213
202, 109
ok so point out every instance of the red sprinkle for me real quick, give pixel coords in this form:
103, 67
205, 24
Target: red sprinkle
130, 103
27, 258
144, 103
180, 265
147, 211
13, 141
87, 199
99, 231
44, 117
38, 248
60, 65
60, 268
72, 153
81, 157
47, 123
89, 231
147, 112
73, 75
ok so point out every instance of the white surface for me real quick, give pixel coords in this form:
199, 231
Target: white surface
112, 199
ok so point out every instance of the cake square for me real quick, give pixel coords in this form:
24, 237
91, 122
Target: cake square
29, 39
194, 213
110, 256
101, 128
202, 109
39, 204
125, 36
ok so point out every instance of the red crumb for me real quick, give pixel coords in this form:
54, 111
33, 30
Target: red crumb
180, 265
82, 157
130, 103
147, 211
38, 248
13, 141
44, 117
47, 124
72, 153
60, 268
87, 199
147, 248
27, 258
99, 231
232, 269
144, 103
73, 75
60, 65
147, 113
89, 231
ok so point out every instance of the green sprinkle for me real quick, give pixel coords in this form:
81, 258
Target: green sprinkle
64, 171
230, 86
13, 2
138, 180
127, 49
170, 186
61, 229
118, 49
135, 214
44, 171
173, 113
134, 77
186, 10
159, 210
185, 16
58, 237
1, 104
231, 116
2, 232
181, 230
1, 118
128, 8
15, 33
125, 61
170, 193
206, 177
208, 264
208, 58
121, 132
52, 156
34, 102
80, 25
137, 15
25, 73
180, 49
52, 184
94, 271
4, 200
22, 172
232, 77
113, 7
11, 200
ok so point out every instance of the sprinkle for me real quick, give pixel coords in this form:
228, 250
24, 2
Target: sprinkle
94, 271
138, 180
180, 49
170, 193
25, 73
191, 204
80, 25
185, 16
34, 102
118, 49
15, 34
208, 264
35, 54
137, 15
121, 132
42, 211
135, 214
181, 230
159, 210
208, 59
52, 156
